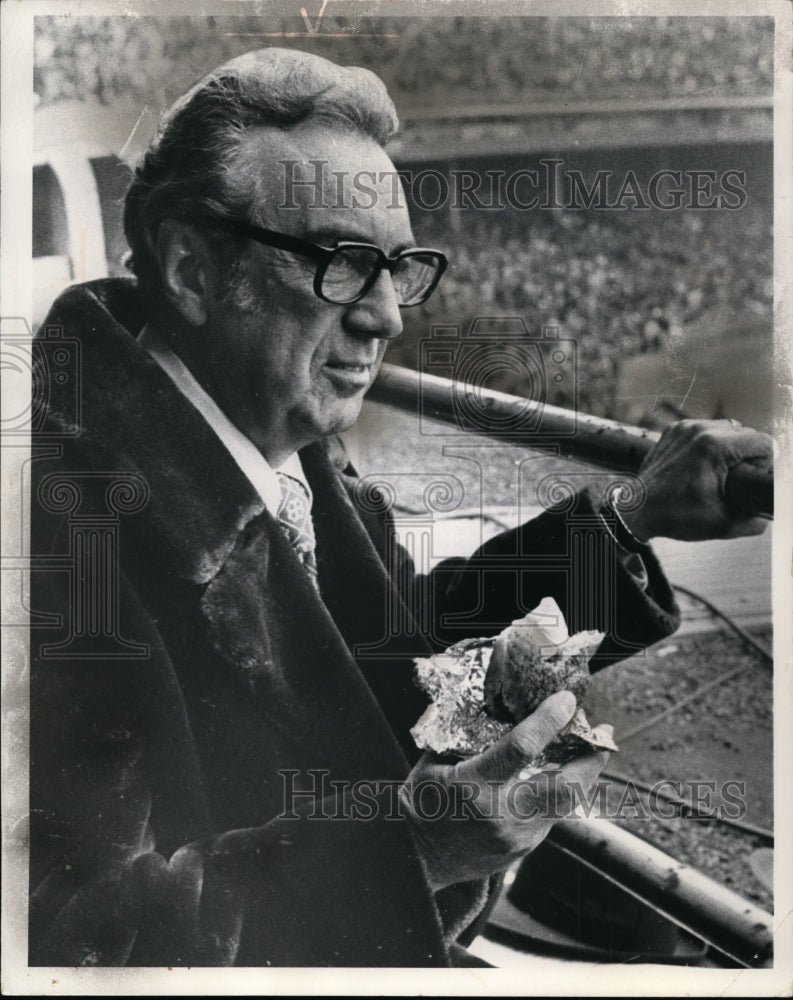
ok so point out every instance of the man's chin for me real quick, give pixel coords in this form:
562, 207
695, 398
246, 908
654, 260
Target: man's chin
335, 417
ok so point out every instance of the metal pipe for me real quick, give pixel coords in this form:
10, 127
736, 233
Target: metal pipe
605, 443
722, 918
488, 112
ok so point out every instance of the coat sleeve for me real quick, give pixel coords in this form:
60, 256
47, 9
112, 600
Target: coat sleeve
568, 554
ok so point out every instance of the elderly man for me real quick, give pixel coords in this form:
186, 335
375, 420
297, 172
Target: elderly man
217, 776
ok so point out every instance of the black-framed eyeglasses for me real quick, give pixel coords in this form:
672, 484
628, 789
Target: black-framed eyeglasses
347, 271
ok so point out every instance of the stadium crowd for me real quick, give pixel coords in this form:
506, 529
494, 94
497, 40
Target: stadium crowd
618, 284
462, 60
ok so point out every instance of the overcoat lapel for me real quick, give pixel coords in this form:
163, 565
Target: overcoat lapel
370, 612
277, 635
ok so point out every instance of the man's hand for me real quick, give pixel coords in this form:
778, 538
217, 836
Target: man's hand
684, 477
475, 818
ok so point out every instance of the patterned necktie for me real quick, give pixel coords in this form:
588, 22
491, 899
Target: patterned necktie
294, 516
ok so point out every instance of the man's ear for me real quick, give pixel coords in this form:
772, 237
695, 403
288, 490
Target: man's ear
186, 268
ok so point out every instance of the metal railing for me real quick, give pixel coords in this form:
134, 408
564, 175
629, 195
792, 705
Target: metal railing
594, 440
556, 109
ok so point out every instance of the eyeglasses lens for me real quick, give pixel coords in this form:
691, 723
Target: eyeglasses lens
349, 270
413, 276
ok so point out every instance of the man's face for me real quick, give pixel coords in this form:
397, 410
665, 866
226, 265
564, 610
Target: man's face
287, 367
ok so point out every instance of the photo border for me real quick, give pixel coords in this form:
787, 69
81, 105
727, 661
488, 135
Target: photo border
16, 283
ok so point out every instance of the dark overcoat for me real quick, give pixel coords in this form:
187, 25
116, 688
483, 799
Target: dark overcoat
215, 750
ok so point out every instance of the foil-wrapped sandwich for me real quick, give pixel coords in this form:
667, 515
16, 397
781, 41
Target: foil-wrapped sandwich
480, 688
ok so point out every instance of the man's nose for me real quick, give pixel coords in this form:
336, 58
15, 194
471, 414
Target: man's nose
377, 314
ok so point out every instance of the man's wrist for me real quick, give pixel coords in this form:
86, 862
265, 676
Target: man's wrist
436, 878
628, 526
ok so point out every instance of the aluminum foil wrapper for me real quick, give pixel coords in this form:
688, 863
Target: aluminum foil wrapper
470, 711
457, 722
576, 737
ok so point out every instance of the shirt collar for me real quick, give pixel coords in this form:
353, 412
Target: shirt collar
253, 464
